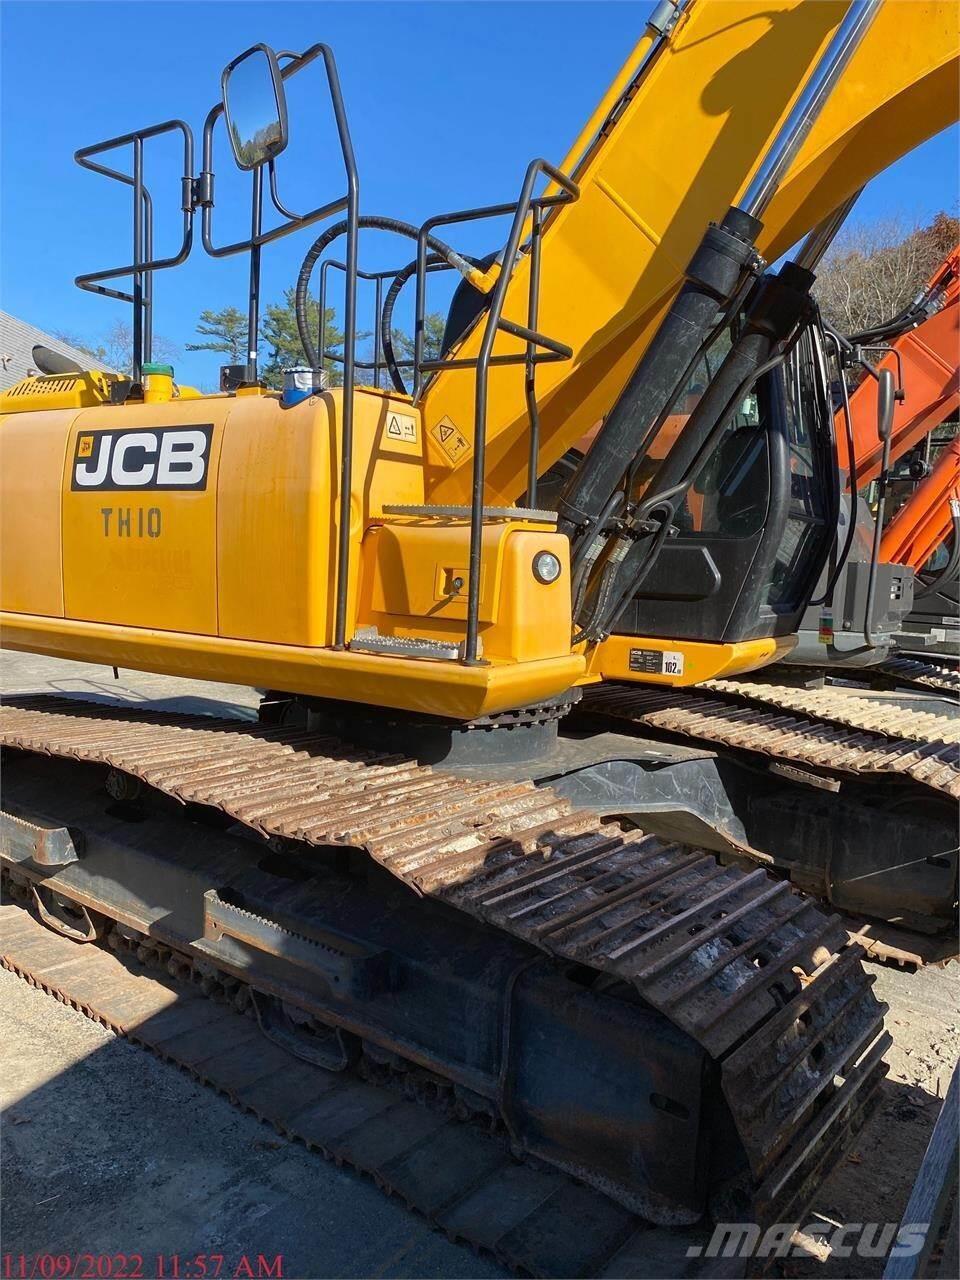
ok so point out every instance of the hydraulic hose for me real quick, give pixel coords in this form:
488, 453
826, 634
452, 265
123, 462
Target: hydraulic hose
913, 314
712, 280
932, 586
319, 246
828, 590
386, 319
773, 311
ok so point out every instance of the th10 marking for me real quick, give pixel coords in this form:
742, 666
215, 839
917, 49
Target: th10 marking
131, 522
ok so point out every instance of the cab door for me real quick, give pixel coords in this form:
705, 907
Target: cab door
758, 524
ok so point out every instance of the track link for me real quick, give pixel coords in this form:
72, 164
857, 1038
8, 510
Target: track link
835, 743
755, 973
839, 706
923, 673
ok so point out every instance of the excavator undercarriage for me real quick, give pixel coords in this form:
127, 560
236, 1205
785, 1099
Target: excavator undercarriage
609, 998
492, 841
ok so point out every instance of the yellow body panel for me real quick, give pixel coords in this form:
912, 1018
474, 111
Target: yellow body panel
57, 391
251, 555
279, 486
410, 576
681, 151
32, 451
235, 580
414, 685
143, 558
610, 660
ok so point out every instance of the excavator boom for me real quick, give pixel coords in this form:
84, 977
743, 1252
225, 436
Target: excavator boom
681, 144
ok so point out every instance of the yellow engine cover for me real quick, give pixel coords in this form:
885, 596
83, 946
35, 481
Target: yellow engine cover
199, 537
210, 516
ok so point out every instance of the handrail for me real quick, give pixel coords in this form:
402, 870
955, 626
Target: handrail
494, 322
144, 264
530, 357
258, 238
538, 347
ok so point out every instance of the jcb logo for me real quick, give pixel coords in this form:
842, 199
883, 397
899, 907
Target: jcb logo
161, 458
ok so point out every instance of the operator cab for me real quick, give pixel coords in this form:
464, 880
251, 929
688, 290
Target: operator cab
757, 523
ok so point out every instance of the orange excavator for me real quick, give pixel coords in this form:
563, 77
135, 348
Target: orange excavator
911, 556
924, 532
924, 340
921, 527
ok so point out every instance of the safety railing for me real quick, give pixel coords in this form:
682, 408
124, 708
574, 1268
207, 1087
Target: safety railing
198, 194
526, 228
144, 264
378, 363
539, 349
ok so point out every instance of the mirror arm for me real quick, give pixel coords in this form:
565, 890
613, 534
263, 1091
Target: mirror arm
253, 298
274, 196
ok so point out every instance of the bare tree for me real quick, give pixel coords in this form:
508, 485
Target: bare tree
874, 270
118, 347
115, 349
82, 344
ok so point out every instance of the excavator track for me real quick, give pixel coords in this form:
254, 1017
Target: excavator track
839, 706
835, 735
756, 974
399, 1129
929, 672
926, 673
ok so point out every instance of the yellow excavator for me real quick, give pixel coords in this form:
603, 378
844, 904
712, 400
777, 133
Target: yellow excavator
477, 641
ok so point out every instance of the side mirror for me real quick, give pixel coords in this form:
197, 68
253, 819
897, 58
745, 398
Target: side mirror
255, 106
886, 398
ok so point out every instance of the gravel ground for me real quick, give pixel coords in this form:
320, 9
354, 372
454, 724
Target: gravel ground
108, 1150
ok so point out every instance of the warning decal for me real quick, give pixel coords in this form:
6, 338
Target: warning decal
400, 427
450, 439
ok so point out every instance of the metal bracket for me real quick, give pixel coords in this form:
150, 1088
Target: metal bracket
23, 841
331, 1048
73, 922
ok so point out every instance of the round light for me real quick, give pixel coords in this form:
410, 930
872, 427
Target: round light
546, 567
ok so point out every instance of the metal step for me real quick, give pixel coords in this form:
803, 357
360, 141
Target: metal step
407, 646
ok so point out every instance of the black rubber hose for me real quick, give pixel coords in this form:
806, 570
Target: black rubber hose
316, 250
386, 319
852, 458
912, 315
711, 280
775, 309
932, 586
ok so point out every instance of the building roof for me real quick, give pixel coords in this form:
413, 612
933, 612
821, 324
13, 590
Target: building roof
17, 340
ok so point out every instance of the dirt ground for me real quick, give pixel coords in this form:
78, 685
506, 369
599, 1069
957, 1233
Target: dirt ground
106, 1149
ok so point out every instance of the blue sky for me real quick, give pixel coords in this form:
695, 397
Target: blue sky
447, 103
